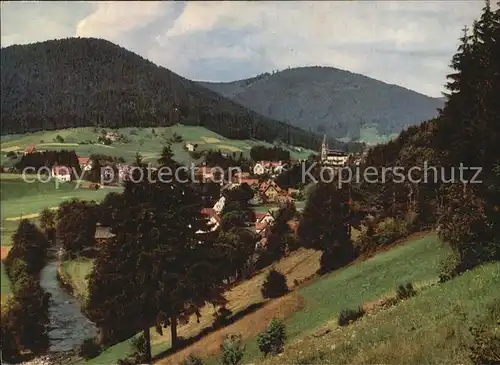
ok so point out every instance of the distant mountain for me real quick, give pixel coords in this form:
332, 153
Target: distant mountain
78, 82
326, 99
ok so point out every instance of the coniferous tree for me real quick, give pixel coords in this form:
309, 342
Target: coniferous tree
325, 225
159, 267
76, 225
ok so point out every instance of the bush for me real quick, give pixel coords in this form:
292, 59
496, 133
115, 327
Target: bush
232, 350
405, 291
449, 268
59, 139
272, 340
192, 360
275, 285
89, 349
222, 317
348, 316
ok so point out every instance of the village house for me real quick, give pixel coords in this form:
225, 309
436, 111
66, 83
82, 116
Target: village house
269, 191
61, 173
30, 149
205, 173
267, 167
85, 163
112, 136
103, 234
219, 205
214, 218
123, 171
191, 146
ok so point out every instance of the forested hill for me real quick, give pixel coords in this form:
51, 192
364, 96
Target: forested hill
78, 82
330, 100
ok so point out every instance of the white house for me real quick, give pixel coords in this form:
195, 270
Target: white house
190, 146
220, 205
269, 167
61, 173
258, 169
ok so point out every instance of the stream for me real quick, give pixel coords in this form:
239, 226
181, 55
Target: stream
68, 326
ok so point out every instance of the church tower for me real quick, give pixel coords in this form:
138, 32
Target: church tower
324, 149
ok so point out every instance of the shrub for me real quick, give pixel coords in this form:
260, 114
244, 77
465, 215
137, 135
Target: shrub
275, 285
89, 349
272, 340
348, 316
59, 139
192, 360
449, 268
222, 316
232, 350
405, 291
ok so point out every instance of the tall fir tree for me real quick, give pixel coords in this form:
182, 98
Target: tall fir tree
160, 266
325, 225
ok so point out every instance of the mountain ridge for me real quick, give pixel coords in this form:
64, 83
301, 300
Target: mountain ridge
357, 101
76, 82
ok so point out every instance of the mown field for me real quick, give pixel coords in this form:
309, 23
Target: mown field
20, 200
308, 307
146, 141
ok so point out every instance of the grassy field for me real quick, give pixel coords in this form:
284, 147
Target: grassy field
308, 307
20, 199
146, 141
76, 271
431, 328
326, 297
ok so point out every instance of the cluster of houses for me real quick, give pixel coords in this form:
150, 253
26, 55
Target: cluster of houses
262, 226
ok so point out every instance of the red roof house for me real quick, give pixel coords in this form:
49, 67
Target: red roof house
30, 149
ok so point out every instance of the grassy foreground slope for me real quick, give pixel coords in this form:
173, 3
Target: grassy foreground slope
432, 327
308, 307
417, 260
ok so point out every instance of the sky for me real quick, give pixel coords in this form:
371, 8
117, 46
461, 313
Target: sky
408, 43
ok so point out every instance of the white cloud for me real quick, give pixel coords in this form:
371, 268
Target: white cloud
409, 43
111, 19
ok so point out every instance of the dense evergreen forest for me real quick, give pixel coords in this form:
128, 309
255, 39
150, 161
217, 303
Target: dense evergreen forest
78, 82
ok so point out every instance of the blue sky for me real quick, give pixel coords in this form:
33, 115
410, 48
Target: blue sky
408, 43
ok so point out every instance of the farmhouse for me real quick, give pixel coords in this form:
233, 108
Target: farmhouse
85, 163
61, 173
112, 136
267, 167
269, 191
191, 146
214, 219
103, 234
30, 149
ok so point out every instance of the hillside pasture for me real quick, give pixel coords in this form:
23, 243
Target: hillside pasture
146, 141
431, 328
310, 305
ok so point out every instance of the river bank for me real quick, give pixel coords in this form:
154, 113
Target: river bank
68, 325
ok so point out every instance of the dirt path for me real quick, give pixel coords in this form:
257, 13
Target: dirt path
249, 326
